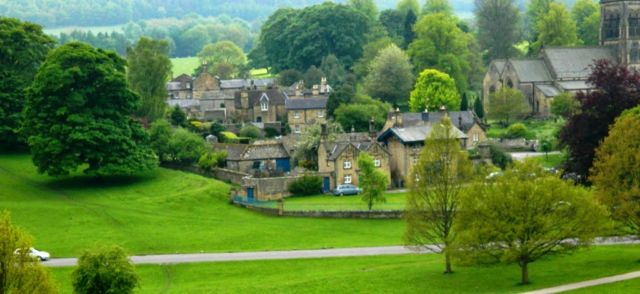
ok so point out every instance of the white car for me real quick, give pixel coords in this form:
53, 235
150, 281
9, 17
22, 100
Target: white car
35, 253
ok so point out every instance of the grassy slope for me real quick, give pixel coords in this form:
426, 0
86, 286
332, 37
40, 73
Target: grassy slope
624, 287
169, 212
187, 65
379, 274
394, 201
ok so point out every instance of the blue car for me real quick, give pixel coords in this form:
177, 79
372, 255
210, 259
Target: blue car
346, 189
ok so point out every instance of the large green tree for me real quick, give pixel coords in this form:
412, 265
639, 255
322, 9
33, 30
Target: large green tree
564, 105
524, 215
442, 45
390, 76
435, 189
616, 170
357, 113
104, 270
372, 181
300, 38
149, 69
498, 24
437, 6
586, 14
369, 52
367, 7
23, 46
406, 5
433, 90
19, 272
556, 28
79, 115
222, 52
507, 104
535, 10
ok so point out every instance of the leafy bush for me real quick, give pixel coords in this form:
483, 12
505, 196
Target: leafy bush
216, 128
250, 131
516, 130
271, 132
105, 270
306, 185
186, 147
500, 158
210, 160
178, 117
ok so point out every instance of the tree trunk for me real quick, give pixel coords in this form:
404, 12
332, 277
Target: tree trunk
447, 259
524, 266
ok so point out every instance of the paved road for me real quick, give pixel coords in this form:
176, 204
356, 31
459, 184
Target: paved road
585, 284
523, 155
292, 254
261, 255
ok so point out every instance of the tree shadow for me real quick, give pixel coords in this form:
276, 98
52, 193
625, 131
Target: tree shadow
81, 182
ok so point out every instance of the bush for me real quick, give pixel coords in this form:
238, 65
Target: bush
271, 132
104, 270
210, 160
186, 147
250, 131
516, 130
216, 128
500, 158
306, 185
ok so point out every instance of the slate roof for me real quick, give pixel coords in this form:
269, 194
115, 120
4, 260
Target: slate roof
336, 149
463, 120
243, 84
548, 90
243, 152
415, 133
531, 70
575, 85
183, 78
183, 103
306, 103
499, 64
574, 63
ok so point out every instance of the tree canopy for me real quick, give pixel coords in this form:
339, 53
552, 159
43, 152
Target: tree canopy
556, 28
586, 14
390, 76
223, 52
434, 89
148, 72
104, 270
297, 39
498, 27
507, 104
23, 46
79, 115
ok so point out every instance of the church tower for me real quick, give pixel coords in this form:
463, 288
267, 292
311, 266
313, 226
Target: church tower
620, 29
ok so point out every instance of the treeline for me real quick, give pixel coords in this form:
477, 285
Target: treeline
186, 36
112, 12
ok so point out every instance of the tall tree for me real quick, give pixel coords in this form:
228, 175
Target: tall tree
524, 215
333, 70
148, 72
498, 27
342, 94
435, 188
82, 118
585, 129
507, 104
19, 272
478, 108
556, 28
437, 6
535, 10
390, 76
406, 5
586, 14
313, 76
367, 7
464, 102
223, 52
393, 22
289, 77
616, 170
23, 46
440, 44
408, 33
434, 89
369, 52
104, 270
372, 181
359, 111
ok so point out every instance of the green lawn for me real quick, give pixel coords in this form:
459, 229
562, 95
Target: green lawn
537, 128
166, 212
394, 201
184, 65
552, 160
376, 274
624, 287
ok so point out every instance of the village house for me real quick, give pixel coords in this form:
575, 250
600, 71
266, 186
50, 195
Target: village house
338, 161
558, 70
266, 157
303, 112
260, 106
405, 140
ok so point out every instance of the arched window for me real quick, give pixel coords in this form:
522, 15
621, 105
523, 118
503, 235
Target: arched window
264, 105
509, 83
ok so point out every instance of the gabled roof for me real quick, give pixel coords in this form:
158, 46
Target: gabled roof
574, 63
498, 64
183, 78
275, 96
336, 149
306, 103
242, 152
463, 120
530, 70
416, 133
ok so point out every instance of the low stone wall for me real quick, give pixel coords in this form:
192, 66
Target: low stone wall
269, 188
229, 175
515, 144
352, 214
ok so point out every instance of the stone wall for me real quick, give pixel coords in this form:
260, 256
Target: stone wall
354, 214
229, 175
265, 189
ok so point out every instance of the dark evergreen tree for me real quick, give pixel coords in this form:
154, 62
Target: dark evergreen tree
409, 34
478, 108
178, 117
464, 102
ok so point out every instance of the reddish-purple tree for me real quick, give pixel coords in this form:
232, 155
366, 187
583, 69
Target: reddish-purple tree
617, 89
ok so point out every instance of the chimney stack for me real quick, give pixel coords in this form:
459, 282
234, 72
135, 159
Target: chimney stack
300, 88
425, 115
323, 85
372, 129
398, 115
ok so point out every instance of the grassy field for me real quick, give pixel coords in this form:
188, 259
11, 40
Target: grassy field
624, 287
537, 128
395, 201
376, 274
168, 211
552, 160
184, 65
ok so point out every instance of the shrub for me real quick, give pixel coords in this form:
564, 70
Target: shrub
500, 158
216, 128
306, 185
271, 132
250, 131
210, 160
516, 130
105, 270
178, 117
186, 147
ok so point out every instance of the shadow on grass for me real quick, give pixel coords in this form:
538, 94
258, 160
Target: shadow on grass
79, 182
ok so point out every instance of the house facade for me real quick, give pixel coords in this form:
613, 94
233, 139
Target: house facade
304, 112
266, 157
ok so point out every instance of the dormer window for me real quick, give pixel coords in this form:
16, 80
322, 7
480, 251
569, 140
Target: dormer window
264, 106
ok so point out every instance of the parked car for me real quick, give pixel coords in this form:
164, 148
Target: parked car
346, 189
35, 253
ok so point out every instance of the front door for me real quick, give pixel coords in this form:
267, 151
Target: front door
326, 185
249, 194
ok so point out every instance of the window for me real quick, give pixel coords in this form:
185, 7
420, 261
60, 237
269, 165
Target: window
611, 27
296, 129
634, 26
377, 162
320, 113
264, 105
347, 179
221, 105
414, 159
475, 138
188, 86
346, 164
296, 114
257, 164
